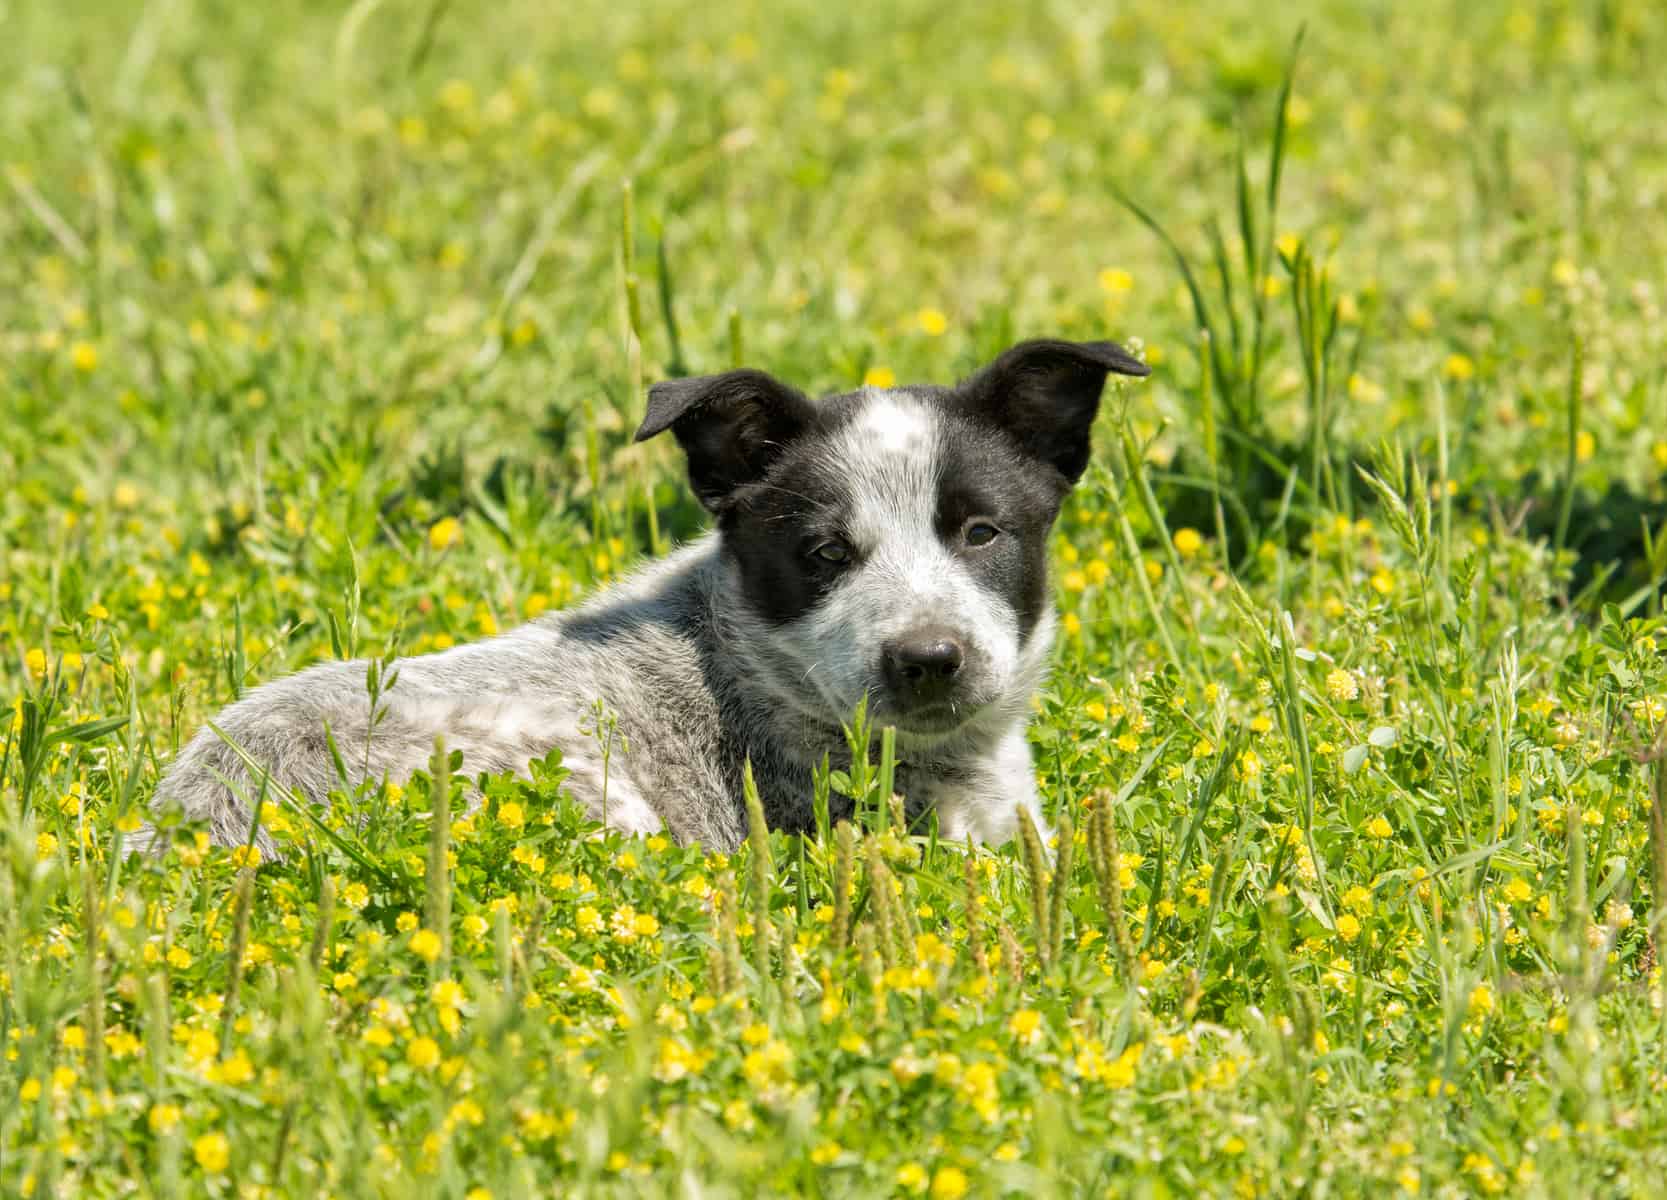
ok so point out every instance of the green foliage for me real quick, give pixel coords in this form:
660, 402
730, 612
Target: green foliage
323, 332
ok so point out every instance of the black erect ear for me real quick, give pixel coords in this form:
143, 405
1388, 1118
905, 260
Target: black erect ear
731, 427
1045, 394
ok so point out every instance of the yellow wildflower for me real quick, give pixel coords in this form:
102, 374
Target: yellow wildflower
423, 1053
212, 1152
445, 533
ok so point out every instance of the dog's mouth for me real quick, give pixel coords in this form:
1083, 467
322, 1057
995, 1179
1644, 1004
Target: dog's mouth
928, 721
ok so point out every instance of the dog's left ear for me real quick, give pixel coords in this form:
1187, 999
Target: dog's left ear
731, 427
1045, 394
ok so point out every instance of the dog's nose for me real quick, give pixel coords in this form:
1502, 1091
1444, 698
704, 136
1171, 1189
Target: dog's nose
921, 667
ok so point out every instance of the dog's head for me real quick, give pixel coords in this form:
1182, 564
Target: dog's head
892, 543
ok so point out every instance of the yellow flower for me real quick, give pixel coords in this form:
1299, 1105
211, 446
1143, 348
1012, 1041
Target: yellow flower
84, 357
932, 322
511, 815
1348, 927
46, 845
1188, 542
445, 533
1459, 367
212, 1152
245, 856
879, 377
35, 660
1379, 828
1481, 1000
1585, 445
1116, 281
1025, 1026
234, 1071
423, 1053
1518, 891
425, 944
950, 1183
202, 1045
163, 1118
912, 1177
1659, 453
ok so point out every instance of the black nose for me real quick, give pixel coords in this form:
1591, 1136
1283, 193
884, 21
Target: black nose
921, 667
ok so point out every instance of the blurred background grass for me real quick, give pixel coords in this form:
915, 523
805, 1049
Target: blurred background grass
331, 208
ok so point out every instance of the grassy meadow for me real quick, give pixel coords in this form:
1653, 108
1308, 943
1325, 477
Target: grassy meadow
323, 330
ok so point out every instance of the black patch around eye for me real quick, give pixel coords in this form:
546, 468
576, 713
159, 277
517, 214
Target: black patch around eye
772, 533
984, 476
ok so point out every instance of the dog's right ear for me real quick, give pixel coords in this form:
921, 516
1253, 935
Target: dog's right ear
731, 427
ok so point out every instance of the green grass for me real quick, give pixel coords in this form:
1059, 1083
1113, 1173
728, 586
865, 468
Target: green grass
323, 332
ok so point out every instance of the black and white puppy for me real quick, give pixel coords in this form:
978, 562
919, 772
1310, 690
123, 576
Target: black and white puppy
887, 544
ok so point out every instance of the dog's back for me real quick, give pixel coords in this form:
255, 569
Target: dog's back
634, 659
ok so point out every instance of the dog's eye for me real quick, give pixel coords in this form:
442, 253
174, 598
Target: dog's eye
981, 533
832, 551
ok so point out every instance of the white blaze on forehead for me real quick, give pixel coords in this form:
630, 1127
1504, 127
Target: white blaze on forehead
889, 459
893, 421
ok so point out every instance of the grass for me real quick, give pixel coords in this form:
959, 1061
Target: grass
322, 333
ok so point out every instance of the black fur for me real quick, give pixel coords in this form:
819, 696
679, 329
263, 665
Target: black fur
731, 427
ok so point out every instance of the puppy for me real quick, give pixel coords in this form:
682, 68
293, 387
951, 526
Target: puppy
887, 544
